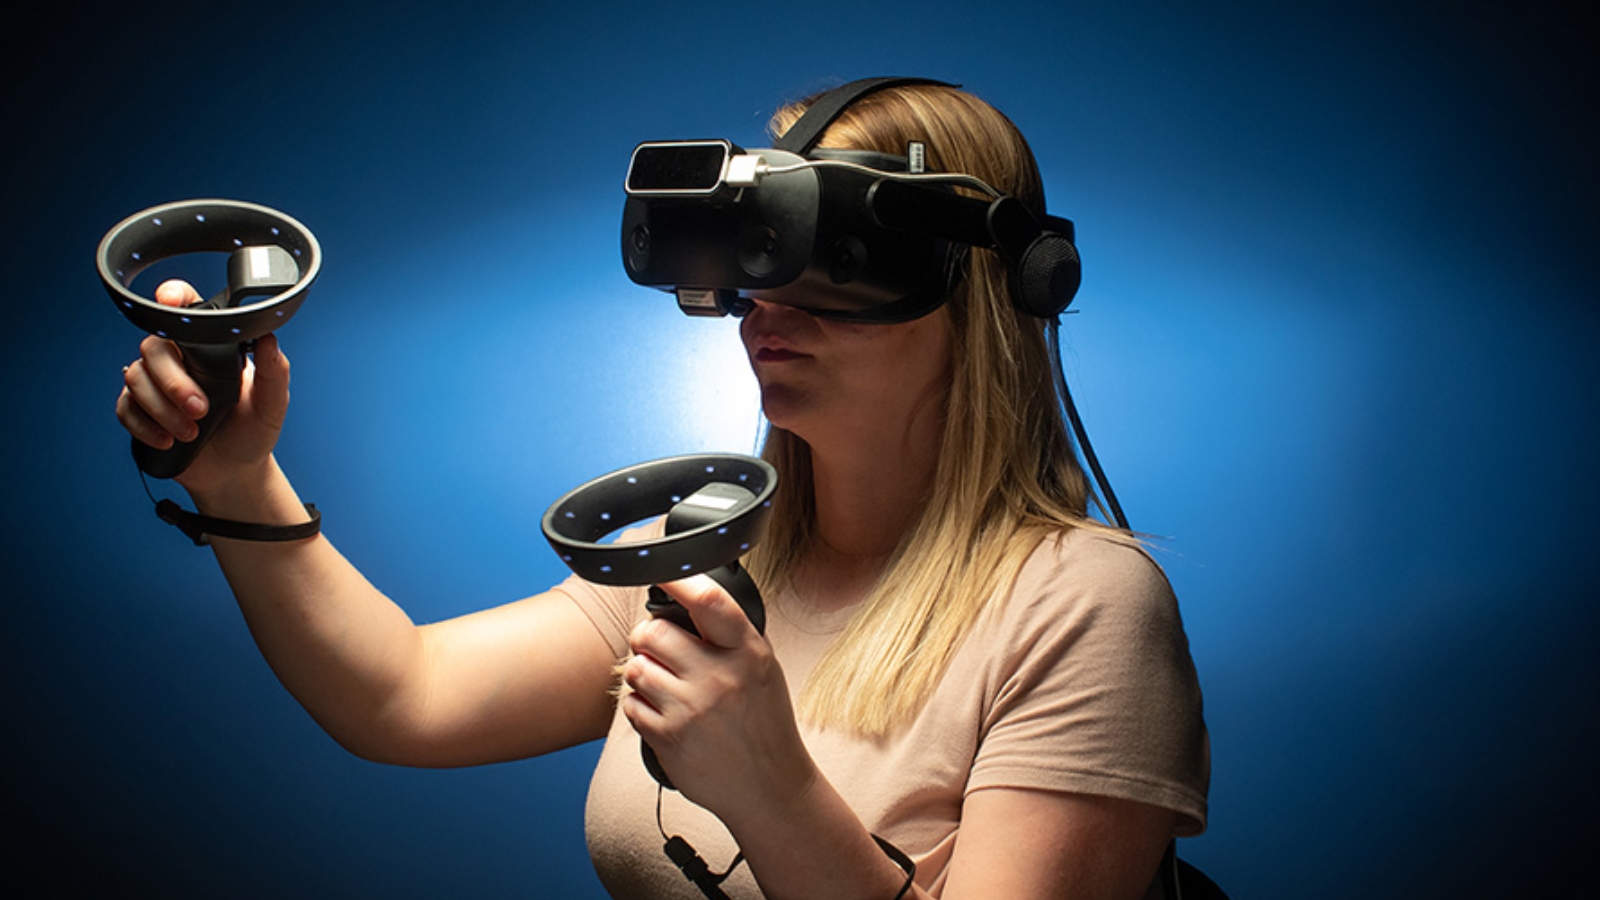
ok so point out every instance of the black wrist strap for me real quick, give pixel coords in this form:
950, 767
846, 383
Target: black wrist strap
201, 529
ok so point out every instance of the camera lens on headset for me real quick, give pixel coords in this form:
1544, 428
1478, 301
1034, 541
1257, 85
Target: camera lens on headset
759, 250
639, 248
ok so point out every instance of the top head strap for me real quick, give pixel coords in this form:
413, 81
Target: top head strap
802, 136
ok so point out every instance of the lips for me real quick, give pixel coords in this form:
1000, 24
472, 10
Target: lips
771, 333
776, 354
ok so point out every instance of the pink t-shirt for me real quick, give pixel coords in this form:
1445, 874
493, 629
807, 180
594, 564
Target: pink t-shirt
1080, 681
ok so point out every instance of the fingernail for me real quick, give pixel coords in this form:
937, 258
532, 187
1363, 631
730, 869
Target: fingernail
195, 405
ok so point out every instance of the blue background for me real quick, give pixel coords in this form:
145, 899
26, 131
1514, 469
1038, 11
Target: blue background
1337, 342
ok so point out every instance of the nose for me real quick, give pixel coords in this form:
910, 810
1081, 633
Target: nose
764, 316
771, 309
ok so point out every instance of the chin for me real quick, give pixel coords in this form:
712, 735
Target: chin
784, 407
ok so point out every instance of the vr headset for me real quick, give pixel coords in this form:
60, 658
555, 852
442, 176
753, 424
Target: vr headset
842, 234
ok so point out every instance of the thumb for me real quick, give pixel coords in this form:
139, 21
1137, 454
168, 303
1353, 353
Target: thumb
176, 293
716, 615
270, 379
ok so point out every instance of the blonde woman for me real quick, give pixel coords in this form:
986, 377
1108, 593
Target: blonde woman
963, 675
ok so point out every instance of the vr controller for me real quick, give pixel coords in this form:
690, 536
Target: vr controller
271, 256
715, 508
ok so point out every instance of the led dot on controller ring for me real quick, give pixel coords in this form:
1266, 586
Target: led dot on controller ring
156, 221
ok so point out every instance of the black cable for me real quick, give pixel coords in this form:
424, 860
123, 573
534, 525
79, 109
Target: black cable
1053, 342
689, 861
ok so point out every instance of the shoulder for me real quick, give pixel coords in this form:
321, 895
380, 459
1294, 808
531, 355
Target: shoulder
1090, 575
613, 610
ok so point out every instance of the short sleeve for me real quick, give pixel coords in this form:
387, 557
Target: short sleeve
613, 610
1091, 687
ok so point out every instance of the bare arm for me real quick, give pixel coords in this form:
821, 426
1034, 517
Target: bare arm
1017, 844
717, 712
522, 679
513, 681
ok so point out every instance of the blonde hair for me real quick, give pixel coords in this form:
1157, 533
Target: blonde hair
1007, 474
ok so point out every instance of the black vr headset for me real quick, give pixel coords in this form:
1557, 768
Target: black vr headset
842, 234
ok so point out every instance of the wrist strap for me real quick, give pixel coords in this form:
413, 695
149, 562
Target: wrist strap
201, 529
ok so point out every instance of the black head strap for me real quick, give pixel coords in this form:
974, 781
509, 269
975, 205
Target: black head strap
802, 136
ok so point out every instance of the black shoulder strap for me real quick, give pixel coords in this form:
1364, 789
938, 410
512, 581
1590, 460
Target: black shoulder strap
802, 137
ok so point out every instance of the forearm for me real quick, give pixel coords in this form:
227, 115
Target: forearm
346, 652
816, 847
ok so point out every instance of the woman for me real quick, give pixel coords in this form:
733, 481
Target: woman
959, 663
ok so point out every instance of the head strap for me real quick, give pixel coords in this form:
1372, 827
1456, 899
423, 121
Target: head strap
802, 136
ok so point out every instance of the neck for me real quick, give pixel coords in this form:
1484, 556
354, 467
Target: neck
870, 487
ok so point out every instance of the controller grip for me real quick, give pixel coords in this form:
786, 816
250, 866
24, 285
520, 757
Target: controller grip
738, 583
218, 369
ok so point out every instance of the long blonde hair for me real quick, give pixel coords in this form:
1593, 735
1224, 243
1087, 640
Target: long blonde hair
1008, 472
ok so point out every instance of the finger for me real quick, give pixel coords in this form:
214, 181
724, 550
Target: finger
664, 644
143, 392
164, 368
176, 293
269, 381
645, 718
717, 616
139, 424
646, 678
648, 695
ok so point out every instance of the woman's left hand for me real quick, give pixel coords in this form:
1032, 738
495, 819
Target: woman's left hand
715, 708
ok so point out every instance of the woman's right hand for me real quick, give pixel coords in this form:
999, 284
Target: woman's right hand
161, 403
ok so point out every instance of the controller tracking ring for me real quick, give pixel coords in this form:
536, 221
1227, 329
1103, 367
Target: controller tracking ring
196, 226
577, 521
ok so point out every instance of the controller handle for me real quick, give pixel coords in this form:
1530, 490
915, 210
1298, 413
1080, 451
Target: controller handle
738, 583
271, 256
715, 507
699, 509
219, 370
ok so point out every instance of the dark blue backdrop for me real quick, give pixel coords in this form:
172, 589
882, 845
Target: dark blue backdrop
1337, 340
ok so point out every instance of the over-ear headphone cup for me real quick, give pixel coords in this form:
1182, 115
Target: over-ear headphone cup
1047, 276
